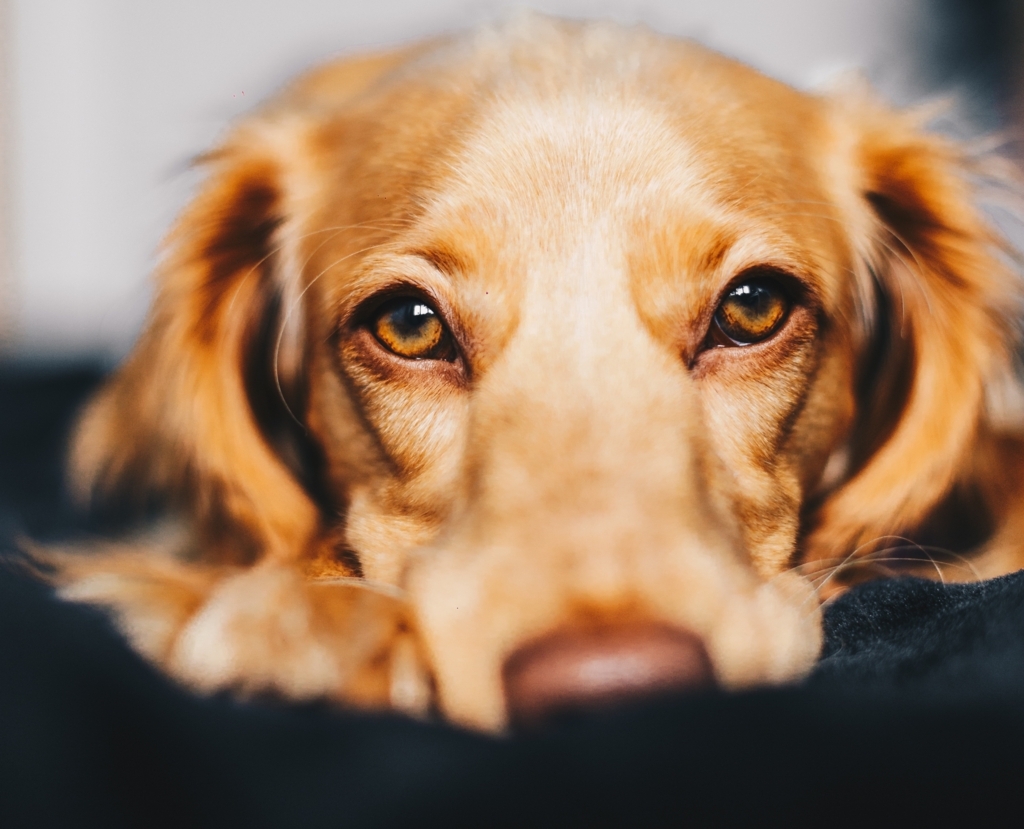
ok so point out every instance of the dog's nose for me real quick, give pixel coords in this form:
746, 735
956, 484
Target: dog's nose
594, 667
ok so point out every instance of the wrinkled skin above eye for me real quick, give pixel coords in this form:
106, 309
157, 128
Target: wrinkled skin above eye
412, 329
752, 311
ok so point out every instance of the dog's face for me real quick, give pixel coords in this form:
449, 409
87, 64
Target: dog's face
576, 330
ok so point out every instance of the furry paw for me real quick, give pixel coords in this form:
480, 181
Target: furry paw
267, 629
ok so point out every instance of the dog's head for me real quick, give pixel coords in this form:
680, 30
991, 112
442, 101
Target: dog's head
565, 329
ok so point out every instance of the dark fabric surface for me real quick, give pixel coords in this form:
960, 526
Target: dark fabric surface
915, 714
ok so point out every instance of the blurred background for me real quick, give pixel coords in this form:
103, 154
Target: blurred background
103, 103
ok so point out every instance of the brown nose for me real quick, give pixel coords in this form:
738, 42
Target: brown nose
600, 666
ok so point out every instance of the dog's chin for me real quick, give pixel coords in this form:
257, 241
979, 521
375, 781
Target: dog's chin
508, 653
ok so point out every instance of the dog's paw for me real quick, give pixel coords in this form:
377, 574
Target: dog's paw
265, 630
269, 629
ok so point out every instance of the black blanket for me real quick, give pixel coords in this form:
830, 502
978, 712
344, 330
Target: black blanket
915, 714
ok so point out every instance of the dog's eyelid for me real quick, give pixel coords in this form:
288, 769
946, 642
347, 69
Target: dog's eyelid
372, 287
366, 308
801, 286
782, 273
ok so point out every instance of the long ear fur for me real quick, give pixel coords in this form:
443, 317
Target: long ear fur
195, 413
939, 268
178, 416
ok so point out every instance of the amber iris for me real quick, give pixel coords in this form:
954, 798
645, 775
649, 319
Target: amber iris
752, 311
410, 328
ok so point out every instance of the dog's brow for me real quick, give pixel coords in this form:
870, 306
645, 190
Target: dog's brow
441, 257
714, 255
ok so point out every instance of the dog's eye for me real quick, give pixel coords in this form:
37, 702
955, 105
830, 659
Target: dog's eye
752, 311
410, 328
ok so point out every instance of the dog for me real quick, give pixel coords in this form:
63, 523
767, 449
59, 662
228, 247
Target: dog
551, 365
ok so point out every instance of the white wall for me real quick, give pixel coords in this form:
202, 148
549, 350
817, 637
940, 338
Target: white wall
111, 98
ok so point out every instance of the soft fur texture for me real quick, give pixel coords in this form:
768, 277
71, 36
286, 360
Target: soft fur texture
574, 200
920, 683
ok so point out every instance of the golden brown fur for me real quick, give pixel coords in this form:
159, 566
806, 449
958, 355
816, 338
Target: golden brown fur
573, 200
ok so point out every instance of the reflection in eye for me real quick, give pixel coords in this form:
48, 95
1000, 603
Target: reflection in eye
410, 328
752, 311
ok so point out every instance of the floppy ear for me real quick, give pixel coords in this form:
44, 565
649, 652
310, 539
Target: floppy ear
179, 416
944, 297
207, 407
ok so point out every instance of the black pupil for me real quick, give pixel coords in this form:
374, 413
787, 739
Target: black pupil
410, 317
756, 298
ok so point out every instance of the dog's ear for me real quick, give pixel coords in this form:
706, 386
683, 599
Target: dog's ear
183, 415
937, 293
208, 408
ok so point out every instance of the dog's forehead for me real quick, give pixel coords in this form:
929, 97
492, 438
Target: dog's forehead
508, 153
682, 169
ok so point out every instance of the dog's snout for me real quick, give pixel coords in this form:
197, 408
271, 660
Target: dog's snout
593, 667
